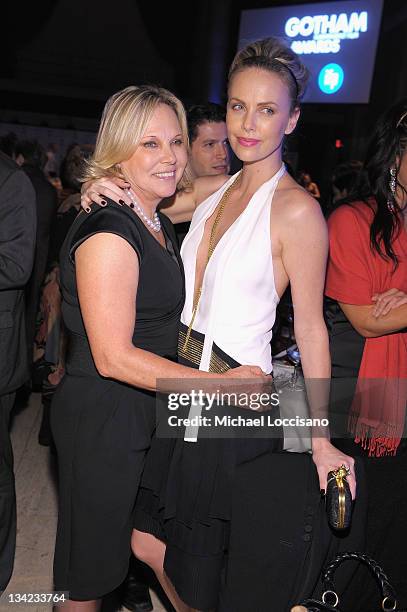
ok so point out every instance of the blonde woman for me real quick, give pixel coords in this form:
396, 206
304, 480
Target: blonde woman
123, 291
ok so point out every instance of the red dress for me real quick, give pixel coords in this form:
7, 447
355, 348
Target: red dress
355, 271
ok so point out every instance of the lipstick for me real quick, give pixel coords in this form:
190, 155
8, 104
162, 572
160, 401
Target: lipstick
248, 142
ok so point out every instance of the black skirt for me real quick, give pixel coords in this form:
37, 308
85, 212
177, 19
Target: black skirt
243, 521
102, 430
185, 500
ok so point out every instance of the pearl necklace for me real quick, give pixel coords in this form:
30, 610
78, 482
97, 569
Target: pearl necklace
154, 223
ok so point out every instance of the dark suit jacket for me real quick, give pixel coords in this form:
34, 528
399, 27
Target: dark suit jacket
46, 207
17, 242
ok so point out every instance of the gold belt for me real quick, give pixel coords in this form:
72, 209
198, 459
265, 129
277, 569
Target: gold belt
191, 351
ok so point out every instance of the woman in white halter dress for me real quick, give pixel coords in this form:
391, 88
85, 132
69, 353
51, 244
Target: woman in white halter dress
239, 299
228, 511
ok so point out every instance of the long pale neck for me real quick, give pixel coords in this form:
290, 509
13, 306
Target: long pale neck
254, 175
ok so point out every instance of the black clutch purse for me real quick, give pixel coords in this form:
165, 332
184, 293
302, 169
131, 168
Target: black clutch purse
338, 499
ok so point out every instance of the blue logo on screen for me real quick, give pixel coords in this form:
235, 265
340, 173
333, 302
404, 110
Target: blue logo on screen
330, 79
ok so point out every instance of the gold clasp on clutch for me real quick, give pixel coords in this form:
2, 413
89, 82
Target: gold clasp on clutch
339, 475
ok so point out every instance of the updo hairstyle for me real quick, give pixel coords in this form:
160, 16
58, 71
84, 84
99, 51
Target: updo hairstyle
273, 55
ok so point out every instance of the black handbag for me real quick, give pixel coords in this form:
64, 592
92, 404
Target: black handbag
330, 598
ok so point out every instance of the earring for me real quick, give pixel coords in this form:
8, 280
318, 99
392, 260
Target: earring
392, 185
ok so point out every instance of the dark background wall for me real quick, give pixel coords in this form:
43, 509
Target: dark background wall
61, 59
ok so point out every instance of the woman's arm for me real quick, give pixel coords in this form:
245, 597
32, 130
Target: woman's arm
179, 208
304, 255
182, 205
107, 271
362, 318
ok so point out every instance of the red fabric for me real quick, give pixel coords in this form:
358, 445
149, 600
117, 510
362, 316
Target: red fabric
355, 273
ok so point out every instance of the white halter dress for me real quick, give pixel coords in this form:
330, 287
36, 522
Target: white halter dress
237, 309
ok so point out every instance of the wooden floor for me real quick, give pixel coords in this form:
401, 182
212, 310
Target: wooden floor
34, 468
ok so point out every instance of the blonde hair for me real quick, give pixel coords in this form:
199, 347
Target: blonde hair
273, 55
123, 124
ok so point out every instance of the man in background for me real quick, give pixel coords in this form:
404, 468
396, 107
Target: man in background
31, 157
209, 149
17, 243
209, 154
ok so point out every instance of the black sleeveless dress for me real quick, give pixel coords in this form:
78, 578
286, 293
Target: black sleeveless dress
102, 428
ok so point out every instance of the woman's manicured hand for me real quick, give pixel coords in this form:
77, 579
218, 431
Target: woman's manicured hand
327, 458
99, 189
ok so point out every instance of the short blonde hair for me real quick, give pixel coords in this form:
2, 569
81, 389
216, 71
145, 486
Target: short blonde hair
123, 124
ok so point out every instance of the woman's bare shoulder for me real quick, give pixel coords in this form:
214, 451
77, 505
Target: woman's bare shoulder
294, 202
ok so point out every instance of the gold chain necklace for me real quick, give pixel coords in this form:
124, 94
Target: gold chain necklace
211, 247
